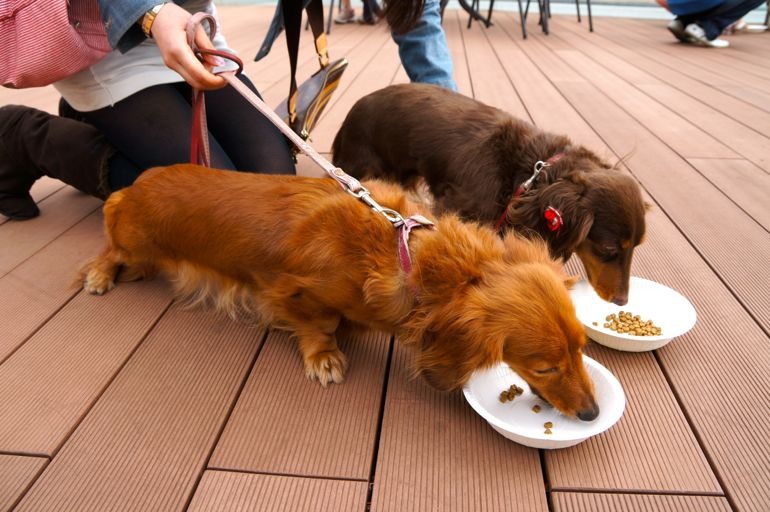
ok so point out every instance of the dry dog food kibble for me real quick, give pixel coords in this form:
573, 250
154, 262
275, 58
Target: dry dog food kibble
548, 424
626, 322
509, 394
535, 408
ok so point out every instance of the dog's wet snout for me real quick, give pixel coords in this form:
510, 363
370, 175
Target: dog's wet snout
620, 299
589, 414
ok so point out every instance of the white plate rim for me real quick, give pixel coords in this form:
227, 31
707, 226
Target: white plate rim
606, 424
689, 310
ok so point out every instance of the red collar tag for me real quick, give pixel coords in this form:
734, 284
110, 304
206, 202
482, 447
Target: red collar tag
553, 218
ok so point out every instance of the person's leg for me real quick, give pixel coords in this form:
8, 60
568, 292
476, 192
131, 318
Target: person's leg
716, 20
34, 143
150, 128
153, 127
424, 52
368, 16
250, 140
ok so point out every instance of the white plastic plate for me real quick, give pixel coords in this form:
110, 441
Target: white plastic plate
667, 308
516, 420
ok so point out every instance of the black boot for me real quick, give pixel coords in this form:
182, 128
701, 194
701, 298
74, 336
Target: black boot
34, 143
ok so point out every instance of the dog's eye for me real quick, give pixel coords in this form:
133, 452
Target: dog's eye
547, 371
606, 253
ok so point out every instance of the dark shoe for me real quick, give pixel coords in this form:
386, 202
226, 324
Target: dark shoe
676, 27
34, 143
17, 175
362, 20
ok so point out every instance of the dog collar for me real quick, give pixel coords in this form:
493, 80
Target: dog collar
551, 214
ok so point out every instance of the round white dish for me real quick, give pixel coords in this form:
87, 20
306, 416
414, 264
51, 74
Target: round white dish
667, 308
518, 422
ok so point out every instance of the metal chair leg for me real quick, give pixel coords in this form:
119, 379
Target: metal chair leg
543, 5
523, 18
331, 17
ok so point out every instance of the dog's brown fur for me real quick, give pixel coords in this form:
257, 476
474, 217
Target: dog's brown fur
473, 157
301, 254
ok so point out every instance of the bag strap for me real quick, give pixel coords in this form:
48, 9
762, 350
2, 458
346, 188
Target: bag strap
292, 21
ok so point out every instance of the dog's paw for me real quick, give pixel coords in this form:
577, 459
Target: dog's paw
98, 283
326, 367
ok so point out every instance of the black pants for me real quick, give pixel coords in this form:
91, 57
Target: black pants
152, 127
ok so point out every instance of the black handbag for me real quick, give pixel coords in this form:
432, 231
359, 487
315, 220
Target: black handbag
302, 108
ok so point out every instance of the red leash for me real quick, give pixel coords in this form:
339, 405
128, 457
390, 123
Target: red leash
200, 154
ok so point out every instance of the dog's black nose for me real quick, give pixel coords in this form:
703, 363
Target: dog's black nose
620, 300
589, 414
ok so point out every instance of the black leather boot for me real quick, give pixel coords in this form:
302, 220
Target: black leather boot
34, 143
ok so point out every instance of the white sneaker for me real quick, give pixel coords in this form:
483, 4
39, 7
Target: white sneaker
697, 35
676, 27
345, 17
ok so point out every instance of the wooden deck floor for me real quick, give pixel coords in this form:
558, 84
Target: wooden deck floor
129, 402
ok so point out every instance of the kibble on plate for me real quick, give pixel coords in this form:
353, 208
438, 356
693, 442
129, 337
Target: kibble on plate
509, 394
626, 322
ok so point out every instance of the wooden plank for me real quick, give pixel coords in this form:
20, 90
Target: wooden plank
43, 98
20, 240
679, 133
578, 502
726, 65
491, 84
436, 453
16, 475
145, 442
36, 289
651, 448
332, 430
54, 378
548, 108
227, 491
741, 181
718, 121
687, 59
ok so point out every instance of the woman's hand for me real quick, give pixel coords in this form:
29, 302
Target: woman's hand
170, 33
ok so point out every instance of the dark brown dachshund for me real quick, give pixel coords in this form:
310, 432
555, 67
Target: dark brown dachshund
476, 160
302, 255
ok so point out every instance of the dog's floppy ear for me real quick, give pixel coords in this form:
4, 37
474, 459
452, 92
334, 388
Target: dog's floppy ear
450, 345
559, 212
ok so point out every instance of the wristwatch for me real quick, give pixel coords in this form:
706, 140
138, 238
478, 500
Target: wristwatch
149, 19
